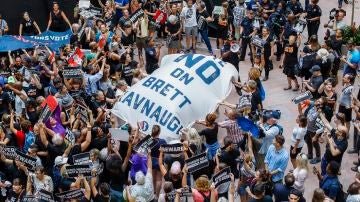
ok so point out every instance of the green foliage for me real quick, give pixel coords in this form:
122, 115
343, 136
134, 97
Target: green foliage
354, 33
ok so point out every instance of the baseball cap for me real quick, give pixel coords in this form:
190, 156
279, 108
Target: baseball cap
315, 68
59, 160
272, 114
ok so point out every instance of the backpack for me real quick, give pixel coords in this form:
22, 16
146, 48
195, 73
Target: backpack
281, 129
206, 198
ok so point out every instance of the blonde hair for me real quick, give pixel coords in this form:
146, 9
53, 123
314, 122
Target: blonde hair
202, 184
302, 161
194, 137
254, 73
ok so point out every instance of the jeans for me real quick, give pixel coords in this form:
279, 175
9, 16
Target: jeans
205, 37
310, 144
340, 3
324, 164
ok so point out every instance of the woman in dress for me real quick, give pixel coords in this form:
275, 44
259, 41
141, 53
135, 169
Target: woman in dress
57, 19
223, 25
268, 51
28, 26
290, 61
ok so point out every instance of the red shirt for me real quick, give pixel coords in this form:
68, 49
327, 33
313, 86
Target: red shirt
20, 138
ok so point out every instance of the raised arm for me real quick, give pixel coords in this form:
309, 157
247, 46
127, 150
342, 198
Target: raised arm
87, 141
43, 137
49, 22
161, 163
12, 128
37, 27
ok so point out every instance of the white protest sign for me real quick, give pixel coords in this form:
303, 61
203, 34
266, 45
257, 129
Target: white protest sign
185, 88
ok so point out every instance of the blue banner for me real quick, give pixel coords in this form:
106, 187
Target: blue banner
53, 40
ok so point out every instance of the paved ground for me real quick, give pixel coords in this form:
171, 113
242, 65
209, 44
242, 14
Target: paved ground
277, 98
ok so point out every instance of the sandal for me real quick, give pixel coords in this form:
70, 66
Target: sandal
288, 88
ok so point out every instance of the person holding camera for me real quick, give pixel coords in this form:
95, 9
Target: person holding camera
336, 143
346, 97
268, 130
315, 81
336, 22
313, 14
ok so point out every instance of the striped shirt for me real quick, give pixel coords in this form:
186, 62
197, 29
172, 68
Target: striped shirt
233, 130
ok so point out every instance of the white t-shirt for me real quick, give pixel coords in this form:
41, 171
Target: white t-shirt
298, 134
300, 175
19, 104
189, 14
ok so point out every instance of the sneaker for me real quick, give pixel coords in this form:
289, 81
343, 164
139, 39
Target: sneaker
315, 161
355, 169
265, 78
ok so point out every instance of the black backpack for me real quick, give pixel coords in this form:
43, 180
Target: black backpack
206, 198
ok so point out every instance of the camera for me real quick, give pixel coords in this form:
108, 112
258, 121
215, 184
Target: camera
334, 13
258, 42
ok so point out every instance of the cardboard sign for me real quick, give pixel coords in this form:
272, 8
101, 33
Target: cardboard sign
172, 148
146, 143
197, 162
222, 180
84, 4
72, 72
302, 97
8, 151
71, 194
44, 195
29, 161
82, 158
69, 136
118, 134
76, 170
136, 15
49, 106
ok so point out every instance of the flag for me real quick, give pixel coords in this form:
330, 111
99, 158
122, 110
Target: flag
76, 59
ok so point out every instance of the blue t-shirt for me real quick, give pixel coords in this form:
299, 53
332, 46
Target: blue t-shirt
353, 59
121, 3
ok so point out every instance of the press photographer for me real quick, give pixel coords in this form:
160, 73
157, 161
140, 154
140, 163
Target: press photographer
336, 21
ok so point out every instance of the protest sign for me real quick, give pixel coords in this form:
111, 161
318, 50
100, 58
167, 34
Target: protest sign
97, 12
136, 15
54, 40
302, 97
72, 72
44, 195
71, 194
167, 97
172, 148
8, 151
69, 136
49, 106
29, 199
185, 192
82, 158
197, 162
222, 180
146, 143
84, 4
76, 170
218, 10
119, 134
29, 161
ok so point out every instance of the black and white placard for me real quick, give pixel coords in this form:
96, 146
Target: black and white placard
146, 143
136, 15
69, 136
8, 151
302, 97
76, 170
222, 180
29, 161
72, 72
172, 148
71, 194
82, 158
197, 162
44, 195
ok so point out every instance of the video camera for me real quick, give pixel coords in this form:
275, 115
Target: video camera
334, 13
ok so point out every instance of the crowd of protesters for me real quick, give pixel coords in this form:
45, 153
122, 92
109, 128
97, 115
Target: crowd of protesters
119, 53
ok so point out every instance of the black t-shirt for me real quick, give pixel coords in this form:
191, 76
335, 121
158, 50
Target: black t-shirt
201, 19
101, 198
4, 103
229, 158
150, 56
173, 28
54, 151
210, 134
123, 21
76, 149
14, 197
128, 72
291, 52
341, 145
336, 45
28, 27
176, 184
151, 6
255, 100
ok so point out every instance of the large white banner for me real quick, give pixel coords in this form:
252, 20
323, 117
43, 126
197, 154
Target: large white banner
184, 89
